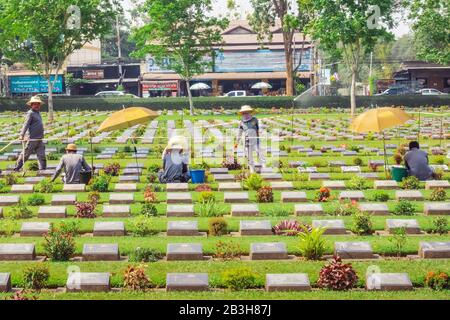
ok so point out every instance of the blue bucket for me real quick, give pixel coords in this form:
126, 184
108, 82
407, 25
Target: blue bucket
198, 176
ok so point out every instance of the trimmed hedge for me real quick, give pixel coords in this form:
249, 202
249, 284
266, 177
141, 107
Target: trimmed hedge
116, 103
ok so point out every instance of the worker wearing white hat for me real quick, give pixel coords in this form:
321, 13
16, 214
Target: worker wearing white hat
249, 127
175, 164
32, 133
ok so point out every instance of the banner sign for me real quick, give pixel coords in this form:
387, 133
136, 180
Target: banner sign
93, 74
34, 84
160, 85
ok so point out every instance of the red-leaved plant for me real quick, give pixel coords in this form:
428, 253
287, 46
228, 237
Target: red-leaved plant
337, 276
289, 228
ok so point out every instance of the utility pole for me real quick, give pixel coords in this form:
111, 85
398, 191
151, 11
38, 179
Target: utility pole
370, 73
119, 50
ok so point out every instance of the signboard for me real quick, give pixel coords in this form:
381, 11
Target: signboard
257, 61
325, 77
152, 66
93, 74
34, 84
160, 85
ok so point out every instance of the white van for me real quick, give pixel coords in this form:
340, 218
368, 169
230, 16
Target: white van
239, 93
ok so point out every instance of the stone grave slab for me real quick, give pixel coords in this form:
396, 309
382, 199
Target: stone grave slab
126, 179
88, 282
63, 199
268, 251
351, 195
408, 195
111, 211
52, 212
218, 170
125, 187
435, 184
17, 251
385, 184
22, 188
34, 229
33, 180
187, 282
319, 176
255, 228
368, 175
74, 187
177, 187
179, 197
411, 226
182, 228
270, 176
9, 200
388, 282
308, 209
243, 210
230, 186
180, 211
109, 229
5, 282
131, 172
121, 198
287, 282
224, 177
332, 226
1, 212
350, 169
236, 197
436, 208
46, 173
353, 250
282, 185
434, 250
184, 251
101, 252
376, 209
334, 185
293, 196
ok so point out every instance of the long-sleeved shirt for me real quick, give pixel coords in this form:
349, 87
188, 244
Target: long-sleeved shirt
33, 125
416, 161
72, 164
250, 129
174, 166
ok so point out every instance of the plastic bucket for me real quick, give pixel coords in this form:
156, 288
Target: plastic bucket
198, 176
398, 173
85, 177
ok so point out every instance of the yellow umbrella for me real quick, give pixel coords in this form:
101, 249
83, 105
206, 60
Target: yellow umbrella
127, 118
377, 120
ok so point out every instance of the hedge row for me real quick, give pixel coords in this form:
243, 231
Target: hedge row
115, 103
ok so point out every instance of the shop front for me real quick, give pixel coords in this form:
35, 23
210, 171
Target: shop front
160, 88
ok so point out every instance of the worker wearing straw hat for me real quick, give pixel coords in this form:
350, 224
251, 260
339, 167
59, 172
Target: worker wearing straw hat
249, 127
175, 164
32, 133
73, 164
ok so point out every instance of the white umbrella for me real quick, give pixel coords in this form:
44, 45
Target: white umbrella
261, 85
200, 86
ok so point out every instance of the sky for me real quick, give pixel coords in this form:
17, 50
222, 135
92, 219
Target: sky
220, 6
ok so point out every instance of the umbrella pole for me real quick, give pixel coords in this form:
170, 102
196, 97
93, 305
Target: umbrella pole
135, 152
385, 156
92, 156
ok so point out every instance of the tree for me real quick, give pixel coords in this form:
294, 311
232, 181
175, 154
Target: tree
109, 43
264, 17
350, 29
43, 33
180, 32
431, 21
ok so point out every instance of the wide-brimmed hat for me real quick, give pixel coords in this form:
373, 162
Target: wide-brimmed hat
246, 109
178, 141
175, 146
71, 147
35, 99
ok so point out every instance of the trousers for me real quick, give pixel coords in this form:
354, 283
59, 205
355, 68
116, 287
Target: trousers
36, 147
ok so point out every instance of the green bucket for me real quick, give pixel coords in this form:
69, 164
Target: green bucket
398, 173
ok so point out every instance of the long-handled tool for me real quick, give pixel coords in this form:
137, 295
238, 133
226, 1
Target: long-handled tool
5, 147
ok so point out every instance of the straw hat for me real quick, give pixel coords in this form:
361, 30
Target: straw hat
178, 141
246, 109
71, 147
175, 146
35, 99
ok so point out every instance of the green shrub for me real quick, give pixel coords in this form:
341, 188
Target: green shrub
362, 223
44, 186
380, 196
210, 209
20, 211
312, 244
100, 184
277, 211
36, 199
398, 240
253, 182
404, 208
33, 166
410, 183
440, 225
58, 245
52, 156
36, 276
145, 255
358, 183
357, 161
206, 196
149, 210
438, 194
227, 250
217, 226
239, 279
142, 226
71, 227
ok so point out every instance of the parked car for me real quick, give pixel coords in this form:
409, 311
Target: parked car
429, 92
239, 93
395, 91
115, 94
